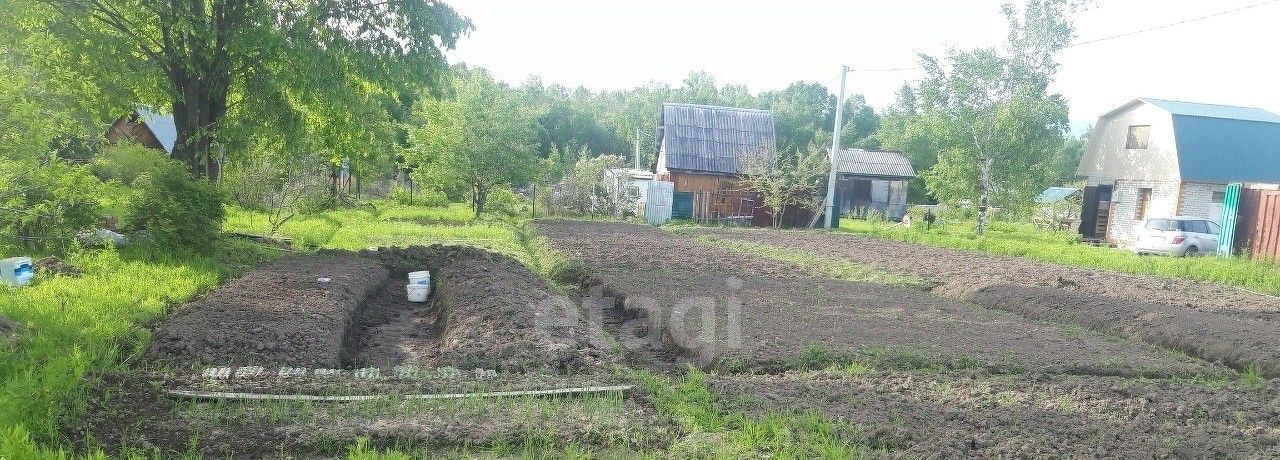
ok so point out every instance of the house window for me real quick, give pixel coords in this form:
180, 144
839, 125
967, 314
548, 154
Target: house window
1138, 136
1219, 197
1144, 199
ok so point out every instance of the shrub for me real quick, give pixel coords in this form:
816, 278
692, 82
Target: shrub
175, 208
505, 202
126, 161
426, 197
44, 205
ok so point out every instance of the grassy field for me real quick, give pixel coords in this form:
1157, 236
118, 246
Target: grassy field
72, 328
1024, 240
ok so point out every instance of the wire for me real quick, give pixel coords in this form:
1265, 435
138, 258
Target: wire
1109, 37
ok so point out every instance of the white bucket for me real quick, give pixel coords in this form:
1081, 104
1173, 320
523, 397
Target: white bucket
417, 292
17, 271
422, 277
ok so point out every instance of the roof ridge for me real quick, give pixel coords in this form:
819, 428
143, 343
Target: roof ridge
1202, 103
708, 106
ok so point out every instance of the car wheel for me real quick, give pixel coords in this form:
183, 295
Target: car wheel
1192, 252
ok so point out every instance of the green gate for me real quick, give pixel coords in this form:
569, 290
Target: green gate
682, 205
1230, 211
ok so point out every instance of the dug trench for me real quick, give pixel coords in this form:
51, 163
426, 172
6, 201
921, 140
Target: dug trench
349, 310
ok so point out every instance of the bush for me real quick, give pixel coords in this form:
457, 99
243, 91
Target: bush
44, 205
427, 197
175, 208
506, 202
126, 161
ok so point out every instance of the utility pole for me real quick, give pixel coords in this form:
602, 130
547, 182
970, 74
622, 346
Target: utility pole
835, 147
637, 145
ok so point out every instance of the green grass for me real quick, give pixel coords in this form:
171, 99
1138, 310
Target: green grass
1024, 240
71, 328
388, 225
834, 268
711, 433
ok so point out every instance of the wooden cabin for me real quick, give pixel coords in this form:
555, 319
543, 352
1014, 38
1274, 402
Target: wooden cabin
702, 150
870, 181
147, 128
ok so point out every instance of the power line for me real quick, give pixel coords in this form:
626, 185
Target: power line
1111, 37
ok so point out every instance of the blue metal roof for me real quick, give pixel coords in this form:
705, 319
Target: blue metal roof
162, 126
1055, 194
1196, 109
1221, 150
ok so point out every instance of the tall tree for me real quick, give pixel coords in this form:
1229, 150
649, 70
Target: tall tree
480, 139
197, 54
996, 128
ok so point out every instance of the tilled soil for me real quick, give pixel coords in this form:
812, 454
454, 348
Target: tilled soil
962, 272
1209, 321
785, 312
1234, 341
920, 415
278, 314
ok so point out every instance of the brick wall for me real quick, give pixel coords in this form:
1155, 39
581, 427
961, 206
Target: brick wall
1124, 206
1197, 200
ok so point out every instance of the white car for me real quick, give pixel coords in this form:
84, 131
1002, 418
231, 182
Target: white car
1177, 236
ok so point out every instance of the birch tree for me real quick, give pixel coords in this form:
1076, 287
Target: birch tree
995, 125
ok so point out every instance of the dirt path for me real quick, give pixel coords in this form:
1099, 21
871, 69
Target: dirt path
786, 312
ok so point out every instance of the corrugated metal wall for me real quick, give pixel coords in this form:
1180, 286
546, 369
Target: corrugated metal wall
1258, 228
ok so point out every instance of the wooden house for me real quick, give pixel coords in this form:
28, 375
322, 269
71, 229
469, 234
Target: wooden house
870, 181
146, 128
702, 151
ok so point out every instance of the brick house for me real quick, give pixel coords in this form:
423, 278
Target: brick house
1158, 158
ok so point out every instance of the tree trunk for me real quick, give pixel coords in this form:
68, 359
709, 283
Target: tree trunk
984, 179
478, 196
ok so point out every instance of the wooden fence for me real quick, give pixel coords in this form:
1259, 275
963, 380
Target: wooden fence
1258, 227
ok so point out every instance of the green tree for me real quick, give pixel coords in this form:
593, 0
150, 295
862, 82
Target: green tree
205, 57
785, 180
995, 127
480, 139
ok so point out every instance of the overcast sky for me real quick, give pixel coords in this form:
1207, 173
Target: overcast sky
1228, 59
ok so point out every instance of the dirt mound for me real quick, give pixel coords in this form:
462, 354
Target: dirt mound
1234, 341
490, 311
486, 310
917, 415
279, 314
729, 310
54, 266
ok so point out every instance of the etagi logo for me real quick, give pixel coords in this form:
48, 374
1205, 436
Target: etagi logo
707, 325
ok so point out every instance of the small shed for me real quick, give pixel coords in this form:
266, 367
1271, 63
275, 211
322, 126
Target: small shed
1057, 208
868, 180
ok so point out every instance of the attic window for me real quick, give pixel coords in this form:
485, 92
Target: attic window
1138, 136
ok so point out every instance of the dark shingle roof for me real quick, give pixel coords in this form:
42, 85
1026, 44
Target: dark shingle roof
869, 163
713, 139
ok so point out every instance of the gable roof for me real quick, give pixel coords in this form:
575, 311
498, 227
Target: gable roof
704, 138
870, 163
161, 126
1222, 143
